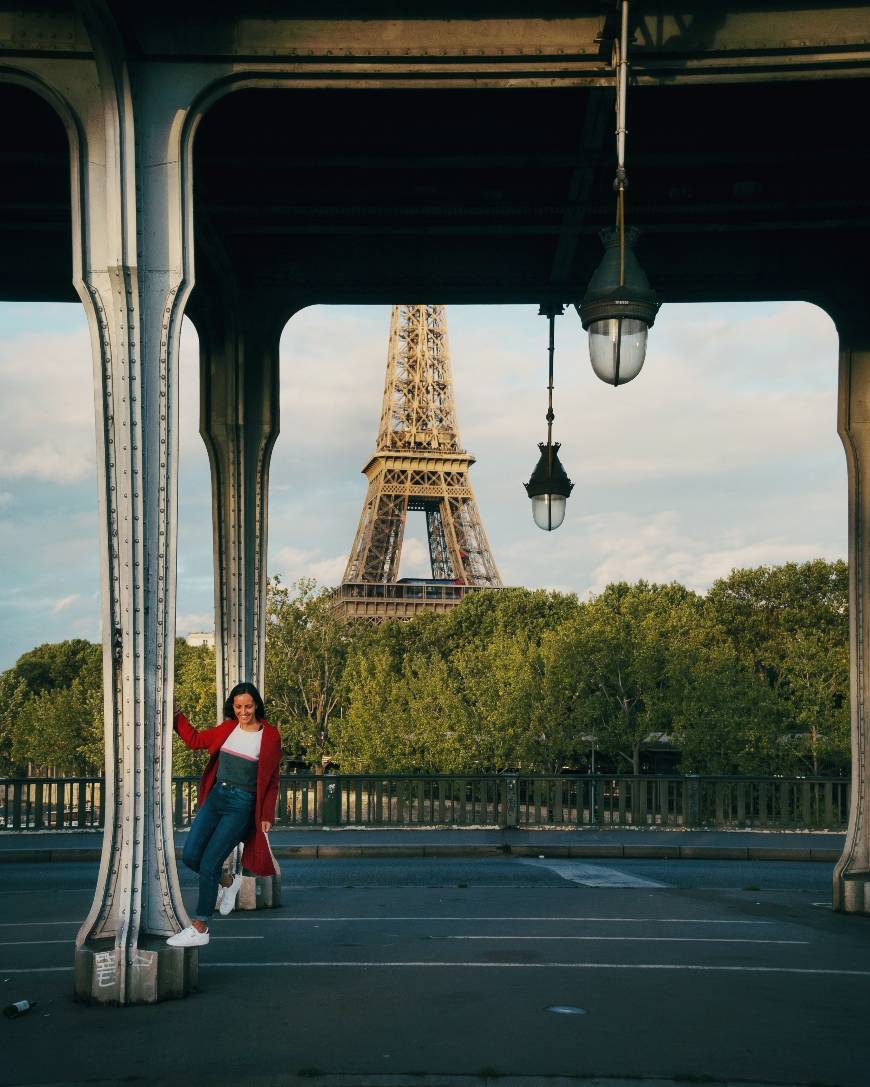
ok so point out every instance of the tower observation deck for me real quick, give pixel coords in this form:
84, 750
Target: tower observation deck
418, 465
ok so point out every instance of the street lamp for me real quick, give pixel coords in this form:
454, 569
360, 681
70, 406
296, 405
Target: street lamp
619, 306
549, 485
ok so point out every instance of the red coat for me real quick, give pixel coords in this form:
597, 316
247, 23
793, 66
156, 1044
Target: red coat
256, 856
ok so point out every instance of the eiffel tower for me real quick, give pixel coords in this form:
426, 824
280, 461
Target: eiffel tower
418, 464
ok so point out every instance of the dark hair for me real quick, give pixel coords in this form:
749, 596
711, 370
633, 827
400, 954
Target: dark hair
244, 688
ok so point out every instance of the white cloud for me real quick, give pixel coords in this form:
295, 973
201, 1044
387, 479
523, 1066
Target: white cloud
6, 499
661, 547
292, 564
49, 462
329, 571
47, 407
193, 621
65, 602
415, 561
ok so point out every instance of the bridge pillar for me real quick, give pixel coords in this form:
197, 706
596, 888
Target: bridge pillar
852, 873
133, 269
239, 339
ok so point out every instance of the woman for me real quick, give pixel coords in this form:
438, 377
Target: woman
237, 797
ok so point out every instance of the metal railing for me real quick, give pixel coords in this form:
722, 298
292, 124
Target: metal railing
51, 803
501, 800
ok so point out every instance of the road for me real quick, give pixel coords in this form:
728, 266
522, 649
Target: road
714, 971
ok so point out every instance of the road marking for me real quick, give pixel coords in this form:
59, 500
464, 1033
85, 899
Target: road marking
37, 970
30, 924
386, 918
344, 965
637, 939
56, 891
590, 875
30, 943
39, 943
532, 920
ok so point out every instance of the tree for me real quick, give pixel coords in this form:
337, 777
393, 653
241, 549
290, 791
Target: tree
815, 671
13, 697
622, 660
55, 685
498, 686
55, 665
761, 608
307, 646
196, 697
725, 718
373, 735
789, 624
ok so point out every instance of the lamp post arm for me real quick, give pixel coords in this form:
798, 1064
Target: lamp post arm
621, 93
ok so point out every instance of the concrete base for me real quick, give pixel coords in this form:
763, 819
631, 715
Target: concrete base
259, 893
155, 972
256, 892
852, 892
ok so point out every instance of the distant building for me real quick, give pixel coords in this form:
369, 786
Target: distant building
200, 637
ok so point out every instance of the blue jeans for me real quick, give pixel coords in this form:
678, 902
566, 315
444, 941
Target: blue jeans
220, 824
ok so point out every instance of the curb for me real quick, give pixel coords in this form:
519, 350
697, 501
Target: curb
592, 850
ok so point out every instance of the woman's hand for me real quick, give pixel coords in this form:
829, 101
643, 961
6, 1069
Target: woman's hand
266, 826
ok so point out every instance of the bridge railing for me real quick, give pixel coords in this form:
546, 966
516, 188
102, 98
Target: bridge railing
500, 800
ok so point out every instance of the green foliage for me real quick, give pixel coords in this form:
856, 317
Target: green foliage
53, 698
307, 647
51, 687
53, 666
789, 625
196, 696
13, 697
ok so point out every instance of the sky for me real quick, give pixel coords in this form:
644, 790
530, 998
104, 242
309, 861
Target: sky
723, 453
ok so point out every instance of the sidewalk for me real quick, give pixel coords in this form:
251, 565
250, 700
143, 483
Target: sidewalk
341, 842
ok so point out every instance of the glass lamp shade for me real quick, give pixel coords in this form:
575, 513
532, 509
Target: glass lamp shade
548, 510
548, 488
617, 348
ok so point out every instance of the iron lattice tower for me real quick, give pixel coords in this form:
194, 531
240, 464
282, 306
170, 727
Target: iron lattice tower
419, 464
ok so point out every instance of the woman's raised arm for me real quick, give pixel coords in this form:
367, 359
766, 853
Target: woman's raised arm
194, 738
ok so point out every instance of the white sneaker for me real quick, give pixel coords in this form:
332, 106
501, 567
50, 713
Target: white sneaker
228, 898
188, 937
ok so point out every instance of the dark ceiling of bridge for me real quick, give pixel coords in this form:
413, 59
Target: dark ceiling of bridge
749, 191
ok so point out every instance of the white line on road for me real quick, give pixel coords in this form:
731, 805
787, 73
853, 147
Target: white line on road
691, 967
55, 891
534, 920
32, 924
639, 939
590, 875
39, 943
547, 966
30, 943
37, 970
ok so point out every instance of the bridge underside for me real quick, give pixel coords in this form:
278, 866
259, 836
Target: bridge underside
752, 191
160, 158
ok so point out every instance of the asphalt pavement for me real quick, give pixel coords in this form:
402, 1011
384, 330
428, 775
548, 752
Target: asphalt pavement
463, 971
